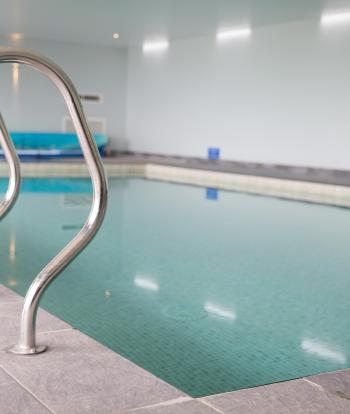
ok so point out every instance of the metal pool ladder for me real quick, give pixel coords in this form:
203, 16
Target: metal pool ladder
14, 170
27, 341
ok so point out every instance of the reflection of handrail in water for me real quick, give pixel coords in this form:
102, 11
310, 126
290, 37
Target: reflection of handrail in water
12, 160
27, 342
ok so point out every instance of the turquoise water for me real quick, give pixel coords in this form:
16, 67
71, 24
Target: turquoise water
211, 295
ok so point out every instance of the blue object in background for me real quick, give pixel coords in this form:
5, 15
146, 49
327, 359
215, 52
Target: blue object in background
52, 144
212, 194
213, 153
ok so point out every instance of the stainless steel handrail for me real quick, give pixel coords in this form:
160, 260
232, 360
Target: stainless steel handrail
14, 170
27, 340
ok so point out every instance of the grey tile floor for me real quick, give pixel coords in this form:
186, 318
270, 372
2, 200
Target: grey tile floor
177, 407
78, 375
292, 397
14, 399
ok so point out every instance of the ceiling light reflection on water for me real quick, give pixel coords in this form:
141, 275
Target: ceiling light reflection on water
146, 283
323, 350
220, 311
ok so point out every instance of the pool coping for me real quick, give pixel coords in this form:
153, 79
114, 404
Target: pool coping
58, 381
284, 188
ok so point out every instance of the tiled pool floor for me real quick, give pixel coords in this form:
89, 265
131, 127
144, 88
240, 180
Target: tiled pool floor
78, 375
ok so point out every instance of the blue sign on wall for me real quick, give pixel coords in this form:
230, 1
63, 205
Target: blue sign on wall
213, 153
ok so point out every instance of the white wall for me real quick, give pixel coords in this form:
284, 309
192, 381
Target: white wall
283, 96
36, 105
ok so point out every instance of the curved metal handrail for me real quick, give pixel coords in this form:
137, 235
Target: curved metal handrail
14, 170
27, 341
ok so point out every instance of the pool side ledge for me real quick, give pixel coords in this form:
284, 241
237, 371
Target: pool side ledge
78, 375
298, 190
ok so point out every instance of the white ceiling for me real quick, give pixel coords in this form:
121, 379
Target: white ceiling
94, 21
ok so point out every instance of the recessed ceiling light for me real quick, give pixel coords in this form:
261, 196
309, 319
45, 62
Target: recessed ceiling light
332, 18
239, 32
116, 35
16, 36
155, 46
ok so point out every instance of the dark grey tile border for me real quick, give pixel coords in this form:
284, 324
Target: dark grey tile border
14, 399
10, 311
4, 378
292, 397
79, 375
176, 407
337, 383
76, 374
7, 296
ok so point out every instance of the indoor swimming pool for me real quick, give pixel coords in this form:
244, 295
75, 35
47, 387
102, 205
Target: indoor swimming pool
210, 291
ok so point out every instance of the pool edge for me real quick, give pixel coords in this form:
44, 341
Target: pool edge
305, 191
69, 344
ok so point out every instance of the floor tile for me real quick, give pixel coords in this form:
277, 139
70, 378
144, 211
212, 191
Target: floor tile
78, 375
10, 313
16, 400
190, 407
337, 382
7, 295
4, 379
293, 397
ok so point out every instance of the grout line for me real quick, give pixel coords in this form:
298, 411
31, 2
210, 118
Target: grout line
209, 405
57, 330
234, 391
10, 381
178, 400
313, 384
26, 389
326, 391
251, 388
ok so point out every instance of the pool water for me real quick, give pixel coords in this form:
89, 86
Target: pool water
211, 294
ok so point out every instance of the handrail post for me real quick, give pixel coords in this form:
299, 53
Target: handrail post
14, 170
27, 340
